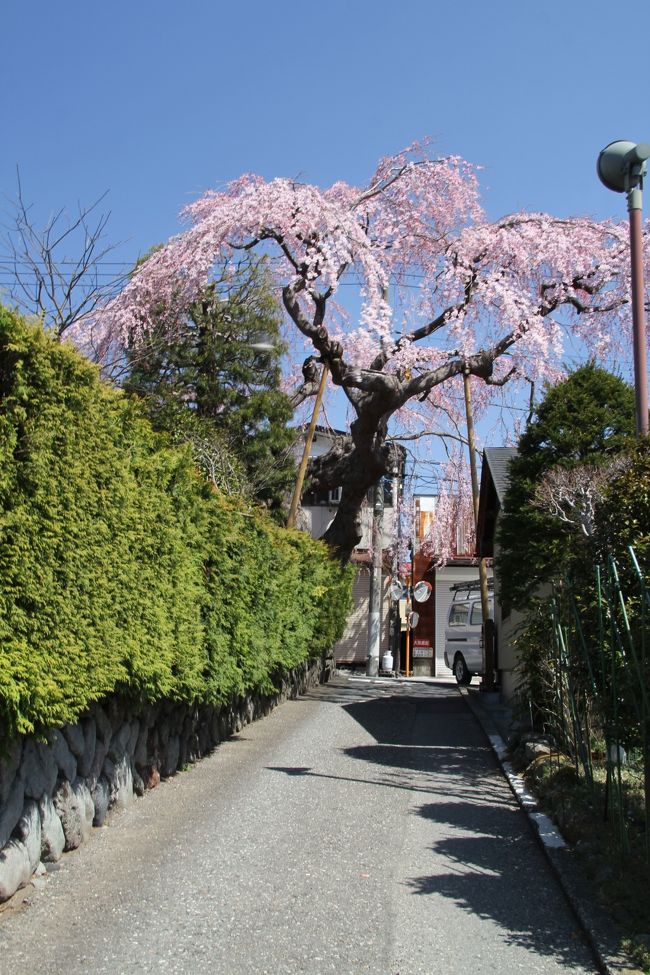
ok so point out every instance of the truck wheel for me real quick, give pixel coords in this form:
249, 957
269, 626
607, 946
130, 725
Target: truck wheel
461, 673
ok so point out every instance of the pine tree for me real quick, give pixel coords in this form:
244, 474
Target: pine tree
585, 419
209, 386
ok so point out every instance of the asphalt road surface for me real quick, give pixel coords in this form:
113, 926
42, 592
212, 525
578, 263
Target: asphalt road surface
364, 828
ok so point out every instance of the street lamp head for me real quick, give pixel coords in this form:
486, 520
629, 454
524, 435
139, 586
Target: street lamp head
621, 165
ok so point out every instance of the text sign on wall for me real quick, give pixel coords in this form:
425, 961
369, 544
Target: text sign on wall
422, 649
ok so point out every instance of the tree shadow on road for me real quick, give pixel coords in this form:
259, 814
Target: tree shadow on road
482, 855
413, 718
492, 869
423, 739
428, 733
399, 772
434, 770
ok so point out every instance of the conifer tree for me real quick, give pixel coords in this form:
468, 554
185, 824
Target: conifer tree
587, 418
210, 387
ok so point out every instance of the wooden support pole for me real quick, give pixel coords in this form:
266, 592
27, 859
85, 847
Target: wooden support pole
297, 491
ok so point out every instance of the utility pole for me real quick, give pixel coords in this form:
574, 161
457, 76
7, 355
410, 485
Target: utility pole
409, 610
375, 587
297, 491
487, 684
375, 592
397, 631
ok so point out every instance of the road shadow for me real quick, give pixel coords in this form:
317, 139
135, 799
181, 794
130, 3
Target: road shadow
481, 855
422, 736
426, 774
488, 864
429, 731
502, 878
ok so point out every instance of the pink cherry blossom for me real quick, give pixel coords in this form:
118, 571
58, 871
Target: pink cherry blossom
496, 298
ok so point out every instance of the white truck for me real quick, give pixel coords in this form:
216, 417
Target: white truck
464, 634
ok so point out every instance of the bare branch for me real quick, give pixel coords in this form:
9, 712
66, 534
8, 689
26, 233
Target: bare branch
573, 494
404, 438
56, 270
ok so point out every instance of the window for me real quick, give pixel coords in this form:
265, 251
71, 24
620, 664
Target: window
458, 614
476, 619
387, 482
317, 498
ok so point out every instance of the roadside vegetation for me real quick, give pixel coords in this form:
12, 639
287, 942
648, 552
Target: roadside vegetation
122, 567
614, 865
578, 505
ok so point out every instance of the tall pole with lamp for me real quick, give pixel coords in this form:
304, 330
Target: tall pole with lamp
621, 167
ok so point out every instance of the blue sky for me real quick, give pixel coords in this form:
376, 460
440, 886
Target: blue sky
157, 101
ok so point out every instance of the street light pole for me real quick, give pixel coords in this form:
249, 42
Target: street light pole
638, 313
409, 610
621, 167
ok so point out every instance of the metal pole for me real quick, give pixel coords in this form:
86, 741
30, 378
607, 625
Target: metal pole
375, 590
621, 167
409, 609
487, 684
397, 501
297, 491
375, 593
634, 204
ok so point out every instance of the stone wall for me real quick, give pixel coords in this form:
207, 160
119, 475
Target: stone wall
55, 789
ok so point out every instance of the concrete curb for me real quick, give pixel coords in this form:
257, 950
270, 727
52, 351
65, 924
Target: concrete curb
599, 930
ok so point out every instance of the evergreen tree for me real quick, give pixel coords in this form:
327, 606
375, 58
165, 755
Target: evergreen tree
623, 518
584, 419
209, 386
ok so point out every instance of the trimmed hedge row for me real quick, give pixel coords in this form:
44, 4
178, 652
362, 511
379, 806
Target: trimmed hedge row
121, 570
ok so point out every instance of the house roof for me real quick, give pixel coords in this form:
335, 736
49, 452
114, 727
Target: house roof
494, 484
325, 431
497, 460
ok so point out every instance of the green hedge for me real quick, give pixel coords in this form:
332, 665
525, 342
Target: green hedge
121, 570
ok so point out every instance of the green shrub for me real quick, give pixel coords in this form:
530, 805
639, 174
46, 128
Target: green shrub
121, 569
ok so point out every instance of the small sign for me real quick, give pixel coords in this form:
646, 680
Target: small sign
423, 652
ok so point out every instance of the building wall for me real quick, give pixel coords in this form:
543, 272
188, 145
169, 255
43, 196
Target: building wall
507, 630
352, 648
316, 519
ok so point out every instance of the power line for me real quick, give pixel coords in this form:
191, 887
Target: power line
6, 259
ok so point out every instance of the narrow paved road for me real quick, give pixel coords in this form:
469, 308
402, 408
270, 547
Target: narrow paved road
362, 829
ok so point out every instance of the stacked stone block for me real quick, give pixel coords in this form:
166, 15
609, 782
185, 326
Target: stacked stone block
55, 789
